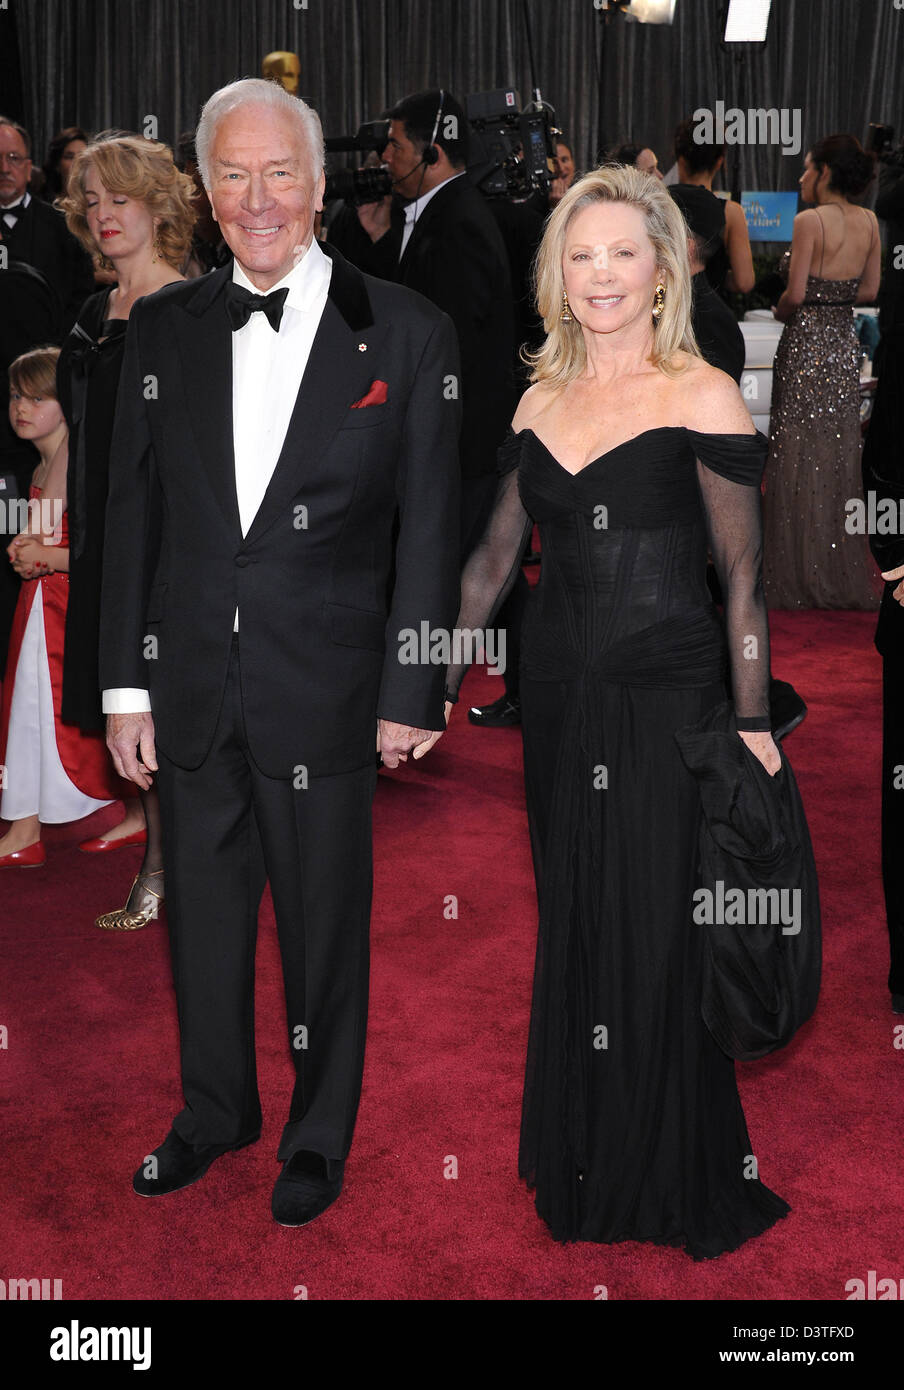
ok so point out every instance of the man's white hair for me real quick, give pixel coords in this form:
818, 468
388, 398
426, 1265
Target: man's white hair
256, 91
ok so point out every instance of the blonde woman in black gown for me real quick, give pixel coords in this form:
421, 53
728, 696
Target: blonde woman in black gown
634, 456
813, 469
128, 203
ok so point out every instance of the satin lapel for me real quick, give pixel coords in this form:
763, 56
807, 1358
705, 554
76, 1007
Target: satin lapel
337, 373
205, 347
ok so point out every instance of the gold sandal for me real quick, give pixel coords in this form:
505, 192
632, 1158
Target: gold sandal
124, 919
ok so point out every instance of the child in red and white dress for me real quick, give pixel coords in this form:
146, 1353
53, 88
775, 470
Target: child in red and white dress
50, 772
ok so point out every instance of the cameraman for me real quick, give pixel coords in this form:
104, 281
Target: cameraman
883, 473
443, 241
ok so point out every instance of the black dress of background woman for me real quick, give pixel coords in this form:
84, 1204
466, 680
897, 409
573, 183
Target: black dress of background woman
87, 380
127, 201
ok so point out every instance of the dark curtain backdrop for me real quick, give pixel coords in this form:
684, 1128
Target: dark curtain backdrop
113, 62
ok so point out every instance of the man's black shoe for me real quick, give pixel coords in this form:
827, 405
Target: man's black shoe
504, 713
897, 1003
175, 1165
307, 1185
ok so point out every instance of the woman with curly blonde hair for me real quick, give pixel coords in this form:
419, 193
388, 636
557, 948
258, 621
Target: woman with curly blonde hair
634, 456
126, 201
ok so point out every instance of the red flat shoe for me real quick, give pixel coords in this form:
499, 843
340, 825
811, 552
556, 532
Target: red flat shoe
29, 858
102, 846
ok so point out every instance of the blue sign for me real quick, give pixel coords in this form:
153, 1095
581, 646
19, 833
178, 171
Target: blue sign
769, 215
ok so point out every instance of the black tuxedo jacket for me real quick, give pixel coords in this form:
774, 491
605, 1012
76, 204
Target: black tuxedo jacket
41, 238
319, 641
456, 257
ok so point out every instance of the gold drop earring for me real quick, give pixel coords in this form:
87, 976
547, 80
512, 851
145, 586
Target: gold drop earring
565, 315
659, 300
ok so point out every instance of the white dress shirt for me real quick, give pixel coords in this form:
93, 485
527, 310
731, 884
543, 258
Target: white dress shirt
413, 210
267, 368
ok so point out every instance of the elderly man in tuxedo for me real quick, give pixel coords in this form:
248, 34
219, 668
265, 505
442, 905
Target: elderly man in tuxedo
286, 450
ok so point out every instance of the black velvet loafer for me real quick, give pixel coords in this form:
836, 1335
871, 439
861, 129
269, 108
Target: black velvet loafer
307, 1185
175, 1165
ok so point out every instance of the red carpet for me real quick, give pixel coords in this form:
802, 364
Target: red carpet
91, 1063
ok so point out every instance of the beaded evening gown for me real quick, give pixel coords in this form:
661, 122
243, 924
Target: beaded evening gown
813, 469
632, 1128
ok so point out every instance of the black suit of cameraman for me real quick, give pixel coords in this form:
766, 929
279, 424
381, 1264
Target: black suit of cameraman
454, 255
883, 473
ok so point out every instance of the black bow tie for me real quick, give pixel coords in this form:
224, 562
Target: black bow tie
241, 304
14, 212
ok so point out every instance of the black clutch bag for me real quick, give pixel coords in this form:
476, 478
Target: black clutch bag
757, 903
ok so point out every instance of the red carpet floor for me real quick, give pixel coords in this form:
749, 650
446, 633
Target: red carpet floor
90, 1070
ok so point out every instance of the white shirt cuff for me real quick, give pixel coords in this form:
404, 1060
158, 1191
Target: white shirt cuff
126, 701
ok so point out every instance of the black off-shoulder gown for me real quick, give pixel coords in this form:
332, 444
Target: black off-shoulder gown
632, 1127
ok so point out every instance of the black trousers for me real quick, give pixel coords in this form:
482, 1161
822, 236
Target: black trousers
227, 829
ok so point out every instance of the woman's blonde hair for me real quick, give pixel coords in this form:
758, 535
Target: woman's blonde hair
34, 373
563, 356
143, 170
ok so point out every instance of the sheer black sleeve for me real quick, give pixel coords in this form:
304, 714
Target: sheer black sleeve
493, 565
729, 471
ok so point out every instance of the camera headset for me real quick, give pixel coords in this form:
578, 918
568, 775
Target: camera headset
431, 153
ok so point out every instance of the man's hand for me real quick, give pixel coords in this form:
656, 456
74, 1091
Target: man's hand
375, 218
896, 574
395, 741
436, 734
125, 734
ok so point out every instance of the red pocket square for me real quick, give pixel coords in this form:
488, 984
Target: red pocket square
375, 396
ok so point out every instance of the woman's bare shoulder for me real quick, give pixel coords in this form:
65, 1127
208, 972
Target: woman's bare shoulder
709, 400
535, 400
808, 221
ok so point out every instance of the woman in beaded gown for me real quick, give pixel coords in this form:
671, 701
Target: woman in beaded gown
813, 469
633, 455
